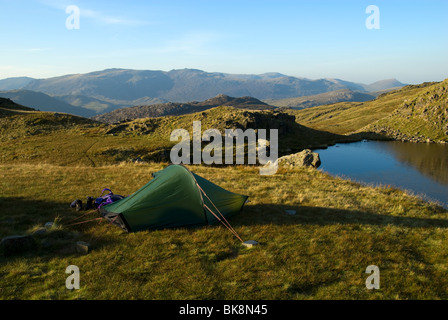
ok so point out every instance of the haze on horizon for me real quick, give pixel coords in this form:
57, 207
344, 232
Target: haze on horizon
311, 39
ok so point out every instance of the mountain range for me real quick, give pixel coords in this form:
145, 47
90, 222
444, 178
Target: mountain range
110, 89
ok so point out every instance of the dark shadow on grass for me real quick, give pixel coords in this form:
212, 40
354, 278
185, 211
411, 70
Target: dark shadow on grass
22, 216
319, 216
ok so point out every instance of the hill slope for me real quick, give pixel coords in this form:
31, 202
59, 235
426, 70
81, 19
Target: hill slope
359, 117
421, 118
22, 122
63, 139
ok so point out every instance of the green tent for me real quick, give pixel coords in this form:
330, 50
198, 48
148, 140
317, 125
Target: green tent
175, 197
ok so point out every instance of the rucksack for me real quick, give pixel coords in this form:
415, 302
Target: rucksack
106, 199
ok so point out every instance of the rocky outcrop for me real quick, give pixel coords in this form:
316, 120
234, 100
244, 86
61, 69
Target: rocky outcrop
305, 158
397, 135
178, 108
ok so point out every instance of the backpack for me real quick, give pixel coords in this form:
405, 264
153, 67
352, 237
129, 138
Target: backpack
106, 199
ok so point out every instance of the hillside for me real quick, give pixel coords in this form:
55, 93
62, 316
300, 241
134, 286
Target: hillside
421, 118
64, 139
345, 95
23, 123
171, 108
358, 117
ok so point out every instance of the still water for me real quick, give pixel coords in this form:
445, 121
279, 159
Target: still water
420, 168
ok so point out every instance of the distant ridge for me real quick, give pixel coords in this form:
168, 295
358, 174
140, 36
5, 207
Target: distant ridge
345, 95
9, 107
383, 85
171, 108
44, 102
14, 83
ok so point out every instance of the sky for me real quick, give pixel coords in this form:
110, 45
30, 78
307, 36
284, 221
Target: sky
311, 39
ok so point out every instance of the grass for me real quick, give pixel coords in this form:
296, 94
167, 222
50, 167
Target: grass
340, 228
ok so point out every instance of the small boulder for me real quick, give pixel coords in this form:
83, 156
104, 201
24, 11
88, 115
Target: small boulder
250, 243
305, 158
82, 247
17, 244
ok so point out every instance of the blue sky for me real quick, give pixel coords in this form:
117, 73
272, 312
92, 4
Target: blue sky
311, 39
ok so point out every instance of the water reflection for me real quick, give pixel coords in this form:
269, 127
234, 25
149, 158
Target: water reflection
429, 158
418, 167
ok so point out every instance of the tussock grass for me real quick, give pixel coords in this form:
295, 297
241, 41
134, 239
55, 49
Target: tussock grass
340, 227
